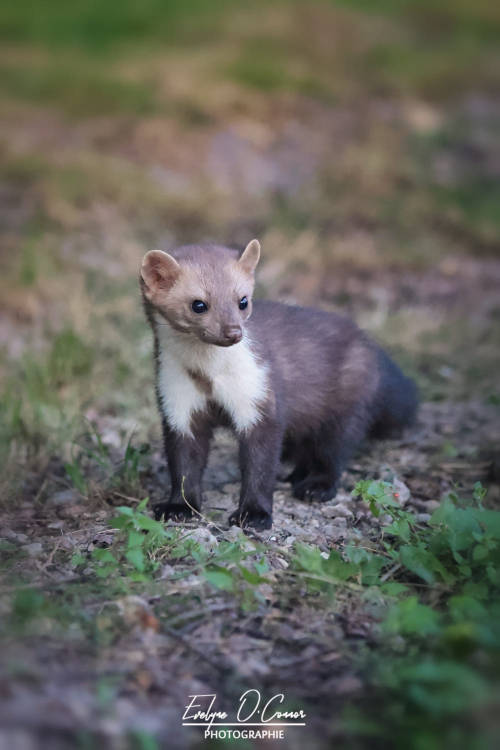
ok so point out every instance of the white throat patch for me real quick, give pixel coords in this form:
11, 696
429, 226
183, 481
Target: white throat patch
239, 382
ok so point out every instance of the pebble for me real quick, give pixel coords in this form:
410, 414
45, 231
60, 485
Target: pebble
336, 530
72, 511
34, 549
401, 490
202, 536
348, 684
432, 504
423, 517
232, 488
14, 536
63, 497
336, 511
56, 525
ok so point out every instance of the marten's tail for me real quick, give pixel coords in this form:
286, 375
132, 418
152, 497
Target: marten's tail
397, 400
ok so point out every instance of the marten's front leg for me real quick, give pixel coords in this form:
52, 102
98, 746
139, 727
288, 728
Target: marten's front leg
187, 458
260, 449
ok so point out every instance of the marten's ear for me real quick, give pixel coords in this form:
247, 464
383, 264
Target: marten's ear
250, 256
159, 272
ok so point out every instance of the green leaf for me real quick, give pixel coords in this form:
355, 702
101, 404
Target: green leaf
105, 571
251, 576
308, 558
466, 608
476, 590
479, 492
423, 563
219, 577
490, 521
135, 539
371, 568
149, 524
142, 504
393, 588
27, 604
75, 474
336, 568
135, 556
77, 559
104, 555
262, 566
126, 511
378, 495
493, 574
230, 552
120, 522
410, 617
444, 686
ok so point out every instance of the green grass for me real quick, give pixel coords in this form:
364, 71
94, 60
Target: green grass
37, 406
429, 592
97, 28
433, 668
476, 202
77, 89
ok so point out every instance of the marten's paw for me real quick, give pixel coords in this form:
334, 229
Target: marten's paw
255, 519
172, 511
314, 491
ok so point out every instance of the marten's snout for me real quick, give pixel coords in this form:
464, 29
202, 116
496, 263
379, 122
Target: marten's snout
232, 334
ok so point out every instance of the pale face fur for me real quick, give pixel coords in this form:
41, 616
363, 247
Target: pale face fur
211, 345
221, 283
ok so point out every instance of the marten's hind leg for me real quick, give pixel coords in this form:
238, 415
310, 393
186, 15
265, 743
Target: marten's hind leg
324, 457
315, 476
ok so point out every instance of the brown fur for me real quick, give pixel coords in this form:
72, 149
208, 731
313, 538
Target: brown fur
202, 382
212, 274
329, 386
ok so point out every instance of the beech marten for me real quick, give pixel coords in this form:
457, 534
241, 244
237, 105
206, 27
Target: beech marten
297, 383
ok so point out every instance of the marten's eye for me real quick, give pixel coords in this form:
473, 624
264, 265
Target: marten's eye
243, 303
198, 306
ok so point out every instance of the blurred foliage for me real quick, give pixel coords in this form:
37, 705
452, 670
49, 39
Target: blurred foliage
97, 27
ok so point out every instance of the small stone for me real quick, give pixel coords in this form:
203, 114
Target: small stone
34, 549
55, 525
14, 536
232, 488
423, 517
401, 491
348, 684
336, 530
167, 571
72, 511
214, 497
341, 522
202, 536
432, 504
336, 511
343, 497
64, 497
281, 495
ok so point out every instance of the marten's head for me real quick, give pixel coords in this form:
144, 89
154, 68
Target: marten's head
202, 290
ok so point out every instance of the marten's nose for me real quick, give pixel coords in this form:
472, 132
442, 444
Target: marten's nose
232, 334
